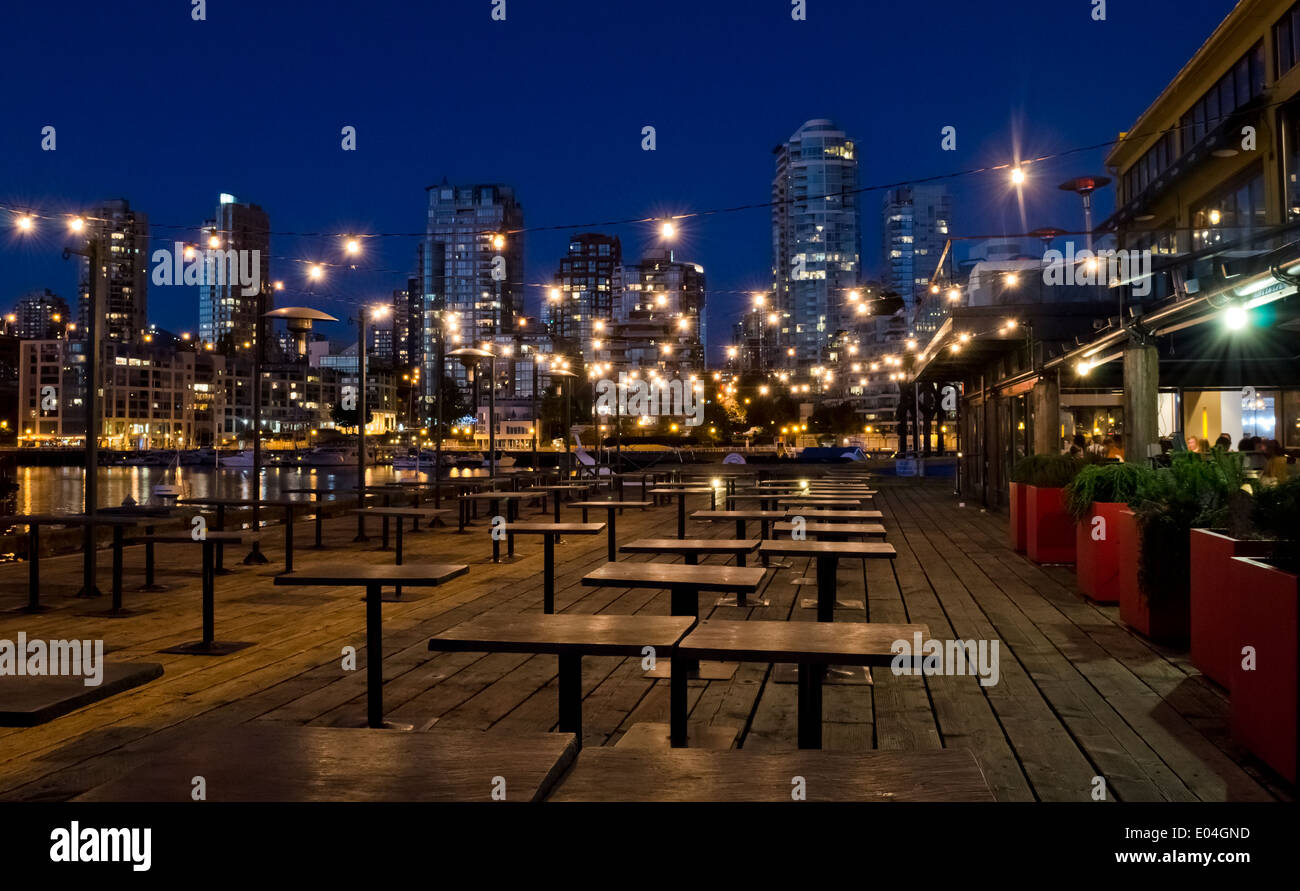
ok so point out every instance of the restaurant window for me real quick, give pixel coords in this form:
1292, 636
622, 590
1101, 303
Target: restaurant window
1229, 215
1291, 132
1286, 33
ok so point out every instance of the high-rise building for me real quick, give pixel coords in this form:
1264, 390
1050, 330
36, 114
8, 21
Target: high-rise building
227, 315
916, 221
473, 266
588, 287
123, 304
667, 288
816, 242
40, 315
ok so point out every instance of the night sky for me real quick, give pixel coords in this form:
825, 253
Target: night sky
168, 112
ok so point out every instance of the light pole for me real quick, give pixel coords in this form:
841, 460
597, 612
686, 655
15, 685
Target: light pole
376, 313
92, 251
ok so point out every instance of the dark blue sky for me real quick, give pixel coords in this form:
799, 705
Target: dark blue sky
169, 112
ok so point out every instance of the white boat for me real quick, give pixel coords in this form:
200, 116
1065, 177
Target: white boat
330, 456
239, 459
426, 459
172, 489
503, 460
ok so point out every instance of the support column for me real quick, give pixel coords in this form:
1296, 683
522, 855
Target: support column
1141, 402
1047, 416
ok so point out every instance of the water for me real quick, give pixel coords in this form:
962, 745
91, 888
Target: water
54, 489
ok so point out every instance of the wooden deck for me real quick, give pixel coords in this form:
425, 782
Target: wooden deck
1079, 696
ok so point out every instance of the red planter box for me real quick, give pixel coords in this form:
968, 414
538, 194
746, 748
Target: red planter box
1264, 710
1168, 623
1215, 596
1049, 530
1018, 535
1097, 552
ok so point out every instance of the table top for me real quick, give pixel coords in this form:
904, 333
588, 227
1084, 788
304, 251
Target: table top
835, 528
564, 487
836, 516
683, 491
266, 761
311, 490
494, 496
820, 502
554, 528
70, 520
676, 575
614, 774
739, 515
841, 643
421, 512
849, 549
563, 633
187, 538
690, 546
408, 574
610, 504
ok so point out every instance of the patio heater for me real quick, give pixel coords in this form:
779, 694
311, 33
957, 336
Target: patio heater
470, 357
300, 319
1084, 186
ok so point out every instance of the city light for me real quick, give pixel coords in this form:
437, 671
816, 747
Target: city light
25, 223
668, 230
1018, 175
76, 224
352, 247
316, 273
1236, 317
498, 241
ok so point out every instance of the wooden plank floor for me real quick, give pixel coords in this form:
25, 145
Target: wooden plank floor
1079, 696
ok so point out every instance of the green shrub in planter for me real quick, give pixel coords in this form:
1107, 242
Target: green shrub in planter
1277, 516
1047, 471
1104, 484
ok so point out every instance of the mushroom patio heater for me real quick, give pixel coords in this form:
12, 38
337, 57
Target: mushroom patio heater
1084, 186
470, 357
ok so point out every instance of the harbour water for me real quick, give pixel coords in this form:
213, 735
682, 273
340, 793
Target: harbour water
57, 489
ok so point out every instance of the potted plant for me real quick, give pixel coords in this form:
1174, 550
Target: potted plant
1264, 691
1021, 474
1155, 566
1095, 499
1049, 529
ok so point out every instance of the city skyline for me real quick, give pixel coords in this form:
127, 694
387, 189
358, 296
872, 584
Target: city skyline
378, 189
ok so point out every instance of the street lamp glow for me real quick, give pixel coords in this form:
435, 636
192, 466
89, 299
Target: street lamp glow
214, 242
316, 273
279, 286
1235, 317
668, 230
498, 241
1018, 176
954, 294
25, 223
76, 224
1012, 279
352, 247
555, 295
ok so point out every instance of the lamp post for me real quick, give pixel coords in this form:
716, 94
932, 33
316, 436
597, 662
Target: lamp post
376, 312
92, 251
568, 416
470, 357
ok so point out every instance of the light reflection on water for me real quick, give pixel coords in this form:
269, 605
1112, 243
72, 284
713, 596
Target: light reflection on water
56, 489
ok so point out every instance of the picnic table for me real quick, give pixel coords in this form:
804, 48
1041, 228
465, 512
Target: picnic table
272, 762
550, 533
616, 774
374, 579
610, 507
681, 503
812, 645
569, 637
209, 541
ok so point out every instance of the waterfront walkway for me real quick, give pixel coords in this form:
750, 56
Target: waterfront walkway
1078, 695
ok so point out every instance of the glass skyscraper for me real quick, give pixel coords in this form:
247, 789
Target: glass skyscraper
916, 222
816, 242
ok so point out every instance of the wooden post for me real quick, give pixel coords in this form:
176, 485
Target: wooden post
1047, 417
1141, 402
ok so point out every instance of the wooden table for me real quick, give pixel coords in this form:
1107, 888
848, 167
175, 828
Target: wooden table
209, 542
400, 513
691, 549
741, 517
681, 503
494, 499
34, 522
254, 556
374, 579
827, 555
835, 516
833, 503
610, 508
812, 645
316, 493
616, 774
550, 533
556, 490
570, 637
272, 762
841, 531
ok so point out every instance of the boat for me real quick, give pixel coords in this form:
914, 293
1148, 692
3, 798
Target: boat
425, 459
503, 460
329, 456
238, 459
171, 489
472, 459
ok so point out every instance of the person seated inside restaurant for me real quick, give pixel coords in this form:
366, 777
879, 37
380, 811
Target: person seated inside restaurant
1078, 446
1113, 445
1278, 466
1223, 442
